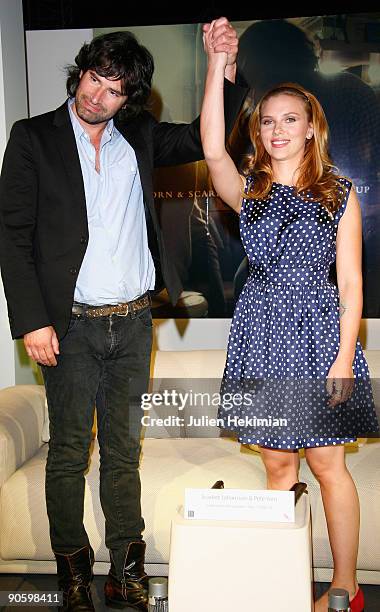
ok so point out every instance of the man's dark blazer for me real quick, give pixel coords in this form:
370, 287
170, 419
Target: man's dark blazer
43, 218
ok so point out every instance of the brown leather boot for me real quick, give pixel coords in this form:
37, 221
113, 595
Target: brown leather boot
127, 582
74, 579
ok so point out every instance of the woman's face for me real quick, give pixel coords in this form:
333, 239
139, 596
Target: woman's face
284, 127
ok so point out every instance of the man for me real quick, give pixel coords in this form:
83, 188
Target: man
81, 248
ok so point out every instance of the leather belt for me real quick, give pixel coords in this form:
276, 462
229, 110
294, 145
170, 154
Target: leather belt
122, 310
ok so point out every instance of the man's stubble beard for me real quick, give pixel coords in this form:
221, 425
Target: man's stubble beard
93, 118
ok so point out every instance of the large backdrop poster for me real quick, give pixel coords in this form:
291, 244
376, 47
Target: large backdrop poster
338, 59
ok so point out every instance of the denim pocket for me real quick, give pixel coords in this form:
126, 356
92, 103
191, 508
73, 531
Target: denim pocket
145, 317
74, 320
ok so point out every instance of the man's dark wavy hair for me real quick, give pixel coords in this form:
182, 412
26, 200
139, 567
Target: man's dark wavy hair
117, 55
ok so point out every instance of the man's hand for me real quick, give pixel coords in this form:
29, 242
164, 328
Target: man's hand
221, 37
42, 345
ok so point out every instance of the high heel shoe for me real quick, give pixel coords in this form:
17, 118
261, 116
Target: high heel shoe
357, 603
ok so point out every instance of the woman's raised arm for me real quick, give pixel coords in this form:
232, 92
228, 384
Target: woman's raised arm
225, 177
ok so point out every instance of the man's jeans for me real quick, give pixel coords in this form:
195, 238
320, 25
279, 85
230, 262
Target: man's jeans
103, 362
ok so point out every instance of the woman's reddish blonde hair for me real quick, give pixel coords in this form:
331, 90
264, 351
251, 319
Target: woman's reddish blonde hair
317, 177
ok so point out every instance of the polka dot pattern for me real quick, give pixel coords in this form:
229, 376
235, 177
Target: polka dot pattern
286, 322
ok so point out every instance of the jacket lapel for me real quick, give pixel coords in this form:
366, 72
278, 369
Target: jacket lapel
66, 144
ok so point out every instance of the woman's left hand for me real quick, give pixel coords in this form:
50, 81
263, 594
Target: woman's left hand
340, 382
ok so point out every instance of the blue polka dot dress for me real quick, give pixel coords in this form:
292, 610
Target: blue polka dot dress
285, 330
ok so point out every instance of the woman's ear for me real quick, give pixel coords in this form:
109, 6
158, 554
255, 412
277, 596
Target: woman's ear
310, 132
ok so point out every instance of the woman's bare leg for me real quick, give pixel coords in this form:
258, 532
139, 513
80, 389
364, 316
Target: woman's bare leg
341, 504
281, 467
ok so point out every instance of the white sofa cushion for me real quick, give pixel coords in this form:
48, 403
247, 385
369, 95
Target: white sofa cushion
22, 418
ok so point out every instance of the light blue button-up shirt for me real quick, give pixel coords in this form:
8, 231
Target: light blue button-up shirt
117, 266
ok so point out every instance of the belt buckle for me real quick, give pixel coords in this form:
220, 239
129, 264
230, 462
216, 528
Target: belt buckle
123, 314
76, 311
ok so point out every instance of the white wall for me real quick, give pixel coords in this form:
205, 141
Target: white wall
48, 52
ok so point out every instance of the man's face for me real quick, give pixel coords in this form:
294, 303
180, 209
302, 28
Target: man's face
98, 99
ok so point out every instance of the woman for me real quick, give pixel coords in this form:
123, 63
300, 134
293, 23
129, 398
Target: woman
290, 322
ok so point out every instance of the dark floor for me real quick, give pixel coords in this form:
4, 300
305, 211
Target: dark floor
38, 582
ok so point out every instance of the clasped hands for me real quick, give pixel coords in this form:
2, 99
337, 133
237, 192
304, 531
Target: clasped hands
220, 42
